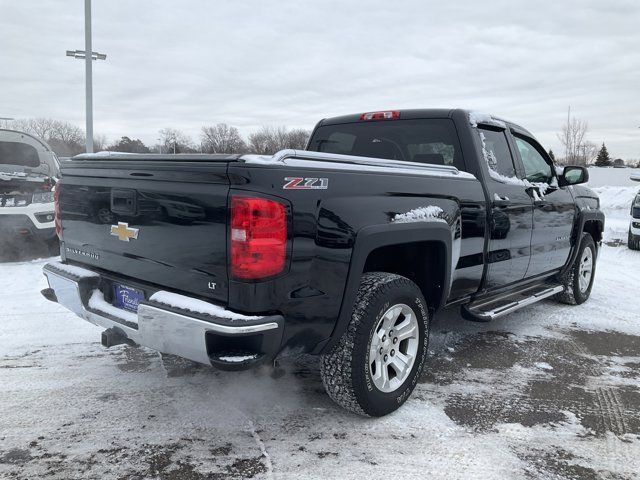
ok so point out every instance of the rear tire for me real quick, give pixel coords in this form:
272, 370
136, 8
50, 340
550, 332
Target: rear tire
578, 281
373, 369
633, 241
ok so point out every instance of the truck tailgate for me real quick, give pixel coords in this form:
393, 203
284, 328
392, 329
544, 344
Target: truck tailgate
158, 222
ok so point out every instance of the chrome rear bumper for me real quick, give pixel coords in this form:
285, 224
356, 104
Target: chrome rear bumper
210, 340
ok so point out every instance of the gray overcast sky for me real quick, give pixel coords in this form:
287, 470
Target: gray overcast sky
248, 63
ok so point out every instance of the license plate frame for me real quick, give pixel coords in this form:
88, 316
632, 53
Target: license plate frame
127, 298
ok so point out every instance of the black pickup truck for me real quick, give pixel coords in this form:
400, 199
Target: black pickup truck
345, 250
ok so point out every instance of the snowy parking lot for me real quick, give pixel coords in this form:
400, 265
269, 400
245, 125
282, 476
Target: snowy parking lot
552, 391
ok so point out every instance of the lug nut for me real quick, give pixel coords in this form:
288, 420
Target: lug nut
390, 333
393, 352
395, 340
386, 358
384, 338
381, 350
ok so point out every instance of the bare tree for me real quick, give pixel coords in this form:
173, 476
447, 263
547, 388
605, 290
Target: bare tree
298, 138
259, 142
175, 141
268, 140
264, 141
587, 153
222, 138
43, 128
573, 139
68, 133
99, 142
66, 139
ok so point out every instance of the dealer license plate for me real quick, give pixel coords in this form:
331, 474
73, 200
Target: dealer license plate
127, 298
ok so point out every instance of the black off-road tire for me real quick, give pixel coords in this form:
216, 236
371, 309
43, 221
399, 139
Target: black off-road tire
633, 241
345, 371
572, 294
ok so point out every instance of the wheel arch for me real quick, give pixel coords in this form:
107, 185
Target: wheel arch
419, 251
594, 227
591, 222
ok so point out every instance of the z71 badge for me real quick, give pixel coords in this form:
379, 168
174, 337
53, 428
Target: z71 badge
300, 183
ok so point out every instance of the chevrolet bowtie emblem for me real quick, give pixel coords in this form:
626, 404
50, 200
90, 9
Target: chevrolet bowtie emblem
123, 232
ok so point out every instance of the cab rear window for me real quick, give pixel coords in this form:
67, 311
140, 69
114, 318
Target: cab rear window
16, 153
430, 141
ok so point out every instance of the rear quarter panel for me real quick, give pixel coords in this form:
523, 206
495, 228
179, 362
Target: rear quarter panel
325, 227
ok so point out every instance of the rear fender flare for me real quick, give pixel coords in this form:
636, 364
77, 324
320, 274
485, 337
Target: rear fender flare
370, 238
584, 216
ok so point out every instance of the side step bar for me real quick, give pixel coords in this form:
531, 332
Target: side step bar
487, 310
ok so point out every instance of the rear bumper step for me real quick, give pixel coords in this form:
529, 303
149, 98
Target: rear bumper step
219, 341
487, 310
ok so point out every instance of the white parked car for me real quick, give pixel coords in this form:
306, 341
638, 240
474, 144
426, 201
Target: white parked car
29, 170
634, 223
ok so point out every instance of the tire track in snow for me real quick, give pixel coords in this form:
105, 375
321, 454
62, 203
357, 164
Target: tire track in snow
609, 403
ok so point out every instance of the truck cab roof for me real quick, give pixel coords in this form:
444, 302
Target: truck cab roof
409, 114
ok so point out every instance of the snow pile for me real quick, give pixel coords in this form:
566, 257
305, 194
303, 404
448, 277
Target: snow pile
198, 306
242, 358
616, 198
10, 176
73, 270
104, 154
98, 303
430, 213
484, 118
615, 202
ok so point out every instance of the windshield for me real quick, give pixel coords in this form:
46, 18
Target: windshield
433, 141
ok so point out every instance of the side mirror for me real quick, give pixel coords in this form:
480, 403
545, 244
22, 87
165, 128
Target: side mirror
573, 175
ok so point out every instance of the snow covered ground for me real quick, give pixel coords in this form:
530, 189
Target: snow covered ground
551, 391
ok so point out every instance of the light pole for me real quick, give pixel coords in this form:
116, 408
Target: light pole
88, 59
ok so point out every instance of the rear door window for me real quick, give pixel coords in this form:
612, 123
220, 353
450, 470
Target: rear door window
496, 152
429, 141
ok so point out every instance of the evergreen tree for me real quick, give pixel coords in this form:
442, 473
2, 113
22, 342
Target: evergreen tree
603, 159
130, 145
552, 156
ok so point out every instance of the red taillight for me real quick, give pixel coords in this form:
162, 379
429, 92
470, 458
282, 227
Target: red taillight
388, 115
258, 237
56, 209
